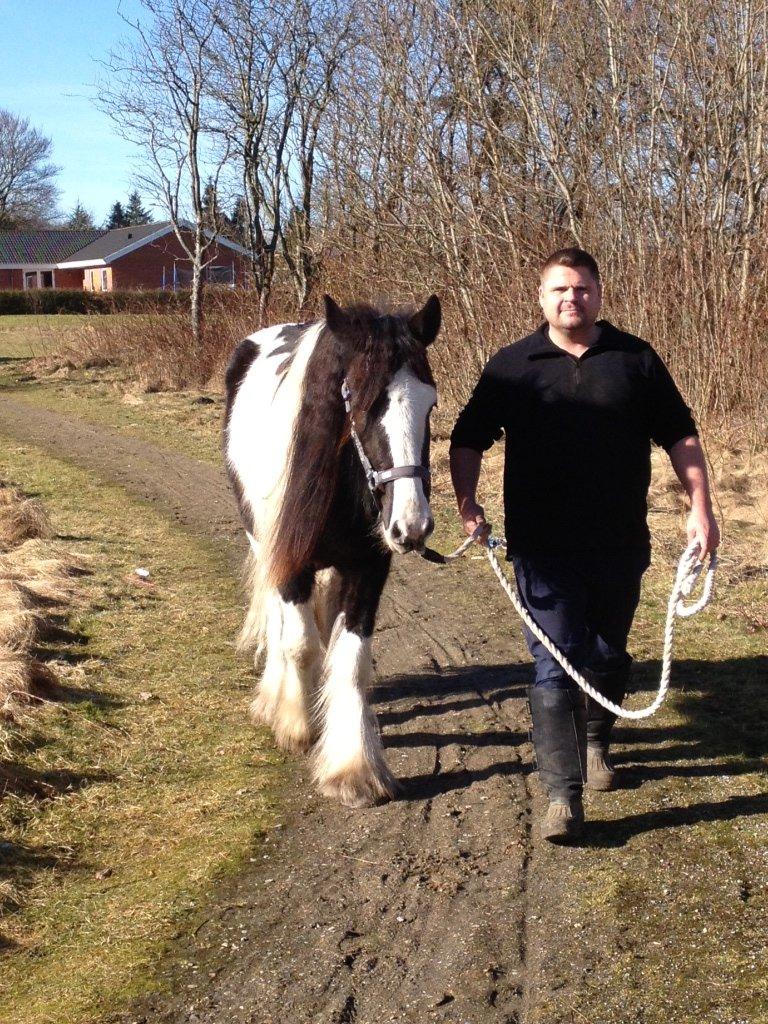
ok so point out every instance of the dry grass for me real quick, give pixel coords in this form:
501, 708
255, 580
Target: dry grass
35, 580
18, 621
20, 519
158, 347
22, 677
144, 767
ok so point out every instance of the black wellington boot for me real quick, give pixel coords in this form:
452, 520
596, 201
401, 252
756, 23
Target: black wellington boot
601, 774
559, 739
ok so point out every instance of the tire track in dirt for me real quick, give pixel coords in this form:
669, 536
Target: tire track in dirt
414, 911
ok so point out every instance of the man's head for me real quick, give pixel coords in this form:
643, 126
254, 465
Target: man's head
570, 292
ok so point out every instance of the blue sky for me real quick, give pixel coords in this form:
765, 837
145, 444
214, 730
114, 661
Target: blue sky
48, 74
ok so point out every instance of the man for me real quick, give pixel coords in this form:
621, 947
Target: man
579, 402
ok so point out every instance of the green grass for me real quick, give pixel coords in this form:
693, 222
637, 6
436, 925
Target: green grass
165, 788
24, 336
185, 422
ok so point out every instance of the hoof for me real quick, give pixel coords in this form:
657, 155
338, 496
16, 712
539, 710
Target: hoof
359, 787
295, 736
261, 711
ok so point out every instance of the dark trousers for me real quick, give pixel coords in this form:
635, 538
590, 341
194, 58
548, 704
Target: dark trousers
585, 602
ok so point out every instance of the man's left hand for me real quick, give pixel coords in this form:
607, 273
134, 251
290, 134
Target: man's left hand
702, 527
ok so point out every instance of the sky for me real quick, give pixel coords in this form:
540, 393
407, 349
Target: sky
48, 74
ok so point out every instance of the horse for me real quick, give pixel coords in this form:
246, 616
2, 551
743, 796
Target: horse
311, 409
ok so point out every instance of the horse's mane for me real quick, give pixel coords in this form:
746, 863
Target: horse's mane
367, 347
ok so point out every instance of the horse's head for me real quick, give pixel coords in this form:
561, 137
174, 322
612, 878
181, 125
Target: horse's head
392, 395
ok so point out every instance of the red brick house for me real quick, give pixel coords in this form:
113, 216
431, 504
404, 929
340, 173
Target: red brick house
141, 256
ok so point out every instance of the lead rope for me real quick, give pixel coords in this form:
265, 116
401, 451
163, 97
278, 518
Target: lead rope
688, 571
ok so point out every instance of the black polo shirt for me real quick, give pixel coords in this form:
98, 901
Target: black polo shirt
578, 431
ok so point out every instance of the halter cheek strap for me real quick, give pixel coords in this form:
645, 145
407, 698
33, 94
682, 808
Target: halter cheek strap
377, 478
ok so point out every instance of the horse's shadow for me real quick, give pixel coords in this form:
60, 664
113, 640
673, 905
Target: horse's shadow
723, 732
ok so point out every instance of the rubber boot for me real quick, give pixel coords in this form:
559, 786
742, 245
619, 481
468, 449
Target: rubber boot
601, 775
559, 739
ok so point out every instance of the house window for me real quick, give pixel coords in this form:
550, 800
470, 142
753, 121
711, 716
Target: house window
46, 279
222, 275
104, 283
30, 279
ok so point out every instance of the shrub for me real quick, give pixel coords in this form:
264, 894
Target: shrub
76, 300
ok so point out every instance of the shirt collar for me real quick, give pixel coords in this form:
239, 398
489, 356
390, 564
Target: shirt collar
544, 348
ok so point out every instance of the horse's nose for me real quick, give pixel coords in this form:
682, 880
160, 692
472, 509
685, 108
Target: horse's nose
413, 530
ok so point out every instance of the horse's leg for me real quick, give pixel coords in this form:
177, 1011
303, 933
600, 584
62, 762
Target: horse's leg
349, 761
301, 651
327, 602
270, 685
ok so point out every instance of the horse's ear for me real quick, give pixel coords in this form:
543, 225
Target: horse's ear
334, 316
425, 324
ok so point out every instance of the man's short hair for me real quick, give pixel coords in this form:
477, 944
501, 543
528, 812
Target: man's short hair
572, 258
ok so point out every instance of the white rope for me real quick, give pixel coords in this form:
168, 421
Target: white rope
688, 570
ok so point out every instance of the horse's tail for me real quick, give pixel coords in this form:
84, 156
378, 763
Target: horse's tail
252, 636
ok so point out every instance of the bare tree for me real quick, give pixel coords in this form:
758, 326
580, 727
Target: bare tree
247, 54
28, 193
158, 95
276, 67
323, 35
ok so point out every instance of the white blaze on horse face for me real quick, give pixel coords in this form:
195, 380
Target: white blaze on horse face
405, 424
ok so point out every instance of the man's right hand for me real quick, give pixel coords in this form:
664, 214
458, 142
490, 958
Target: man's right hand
472, 517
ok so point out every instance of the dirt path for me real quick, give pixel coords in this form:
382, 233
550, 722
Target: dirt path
412, 911
440, 906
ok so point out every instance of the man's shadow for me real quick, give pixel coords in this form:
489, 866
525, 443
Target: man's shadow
724, 732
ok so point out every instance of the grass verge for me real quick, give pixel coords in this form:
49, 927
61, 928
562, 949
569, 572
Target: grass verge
162, 786
188, 422
25, 336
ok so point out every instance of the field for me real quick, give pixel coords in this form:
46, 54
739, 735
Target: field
161, 877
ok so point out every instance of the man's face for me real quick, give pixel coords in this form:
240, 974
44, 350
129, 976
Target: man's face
570, 298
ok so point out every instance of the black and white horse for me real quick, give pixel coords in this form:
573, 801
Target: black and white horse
307, 470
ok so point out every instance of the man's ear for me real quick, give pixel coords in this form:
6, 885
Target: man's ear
425, 324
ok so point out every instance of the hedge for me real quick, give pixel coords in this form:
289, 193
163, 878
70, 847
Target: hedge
76, 300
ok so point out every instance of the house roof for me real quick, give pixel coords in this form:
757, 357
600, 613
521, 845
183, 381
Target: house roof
120, 241
49, 245
69, 248
110, 243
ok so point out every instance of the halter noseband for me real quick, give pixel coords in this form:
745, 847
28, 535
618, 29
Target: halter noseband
377, 478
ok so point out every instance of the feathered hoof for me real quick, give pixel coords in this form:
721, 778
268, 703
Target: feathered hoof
261, 711
359, 787
294, 736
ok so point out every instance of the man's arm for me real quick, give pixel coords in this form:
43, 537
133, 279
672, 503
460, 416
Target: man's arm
465, 473
689, 464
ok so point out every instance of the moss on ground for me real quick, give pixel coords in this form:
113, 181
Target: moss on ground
162, 787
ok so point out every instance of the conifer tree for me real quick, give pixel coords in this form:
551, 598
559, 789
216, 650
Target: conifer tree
213, 217
239, 221
135, 213
117, 217
80, 218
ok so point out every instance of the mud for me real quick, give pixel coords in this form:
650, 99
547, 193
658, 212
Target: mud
439, 906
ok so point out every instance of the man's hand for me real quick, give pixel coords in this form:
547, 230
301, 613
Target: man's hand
465, 473
702, 527
472, 516
688, 462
